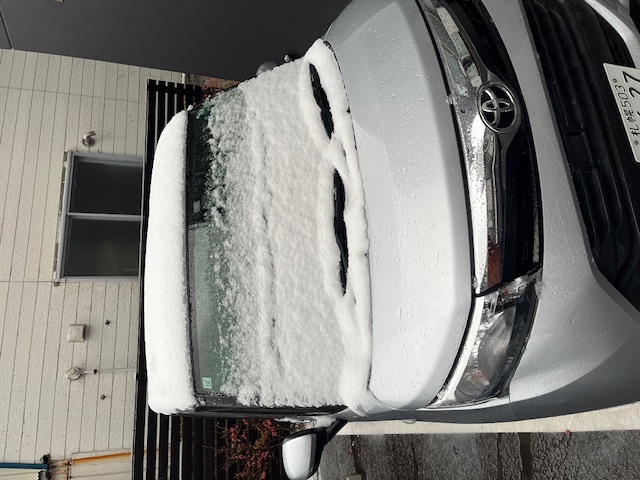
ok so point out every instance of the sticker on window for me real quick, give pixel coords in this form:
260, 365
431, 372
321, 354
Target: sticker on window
207, 383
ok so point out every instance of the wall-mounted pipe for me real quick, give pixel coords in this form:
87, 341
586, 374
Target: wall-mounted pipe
25, 466
88, 140
74, 373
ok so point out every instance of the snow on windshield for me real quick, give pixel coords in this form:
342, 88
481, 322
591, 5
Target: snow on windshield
297, 338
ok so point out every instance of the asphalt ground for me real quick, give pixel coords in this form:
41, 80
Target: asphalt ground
490, 456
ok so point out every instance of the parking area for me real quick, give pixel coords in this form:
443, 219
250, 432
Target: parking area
490, 456
600, 444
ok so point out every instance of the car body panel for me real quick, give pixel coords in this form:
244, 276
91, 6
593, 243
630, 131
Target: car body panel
585, 335
414, 198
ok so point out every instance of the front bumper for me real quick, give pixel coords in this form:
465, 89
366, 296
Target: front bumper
583, 348
584, 345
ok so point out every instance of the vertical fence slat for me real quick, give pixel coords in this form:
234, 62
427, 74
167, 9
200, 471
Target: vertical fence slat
163, 448
207, 449
161, 118
171, 101
176, 425
197, 447
152, 429
187, 453
227, 476
180, 89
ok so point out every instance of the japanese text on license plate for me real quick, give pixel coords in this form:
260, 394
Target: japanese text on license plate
625, 86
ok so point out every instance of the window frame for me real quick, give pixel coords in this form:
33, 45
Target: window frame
64, 214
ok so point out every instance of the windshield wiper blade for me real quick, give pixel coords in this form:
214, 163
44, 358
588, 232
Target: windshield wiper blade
340, 227
321, 99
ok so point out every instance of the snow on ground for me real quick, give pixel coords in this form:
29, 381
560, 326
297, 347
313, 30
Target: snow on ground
296, 339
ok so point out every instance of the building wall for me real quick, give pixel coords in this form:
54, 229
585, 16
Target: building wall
46, 103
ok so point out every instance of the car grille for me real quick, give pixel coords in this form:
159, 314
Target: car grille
515, 173
573, 42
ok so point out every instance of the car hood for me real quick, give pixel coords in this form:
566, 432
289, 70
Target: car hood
415, 205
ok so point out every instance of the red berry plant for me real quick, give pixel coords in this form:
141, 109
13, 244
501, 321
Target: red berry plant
211, 85
251, 446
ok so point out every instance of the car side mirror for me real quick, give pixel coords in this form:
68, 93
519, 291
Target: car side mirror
265, 67
301, 452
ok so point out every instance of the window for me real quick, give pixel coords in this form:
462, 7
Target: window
99, 232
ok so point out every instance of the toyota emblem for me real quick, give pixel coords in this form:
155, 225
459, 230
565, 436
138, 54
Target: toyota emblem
498, 107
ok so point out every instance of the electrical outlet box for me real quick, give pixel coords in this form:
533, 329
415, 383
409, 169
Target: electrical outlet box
76, 333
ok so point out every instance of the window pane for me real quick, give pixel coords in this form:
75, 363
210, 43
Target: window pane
106, 187
103, 248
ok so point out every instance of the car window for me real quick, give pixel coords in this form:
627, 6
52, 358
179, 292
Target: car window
210, 317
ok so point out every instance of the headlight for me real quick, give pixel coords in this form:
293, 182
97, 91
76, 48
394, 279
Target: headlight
499, 327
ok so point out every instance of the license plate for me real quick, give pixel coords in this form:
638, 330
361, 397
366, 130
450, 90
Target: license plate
625, 86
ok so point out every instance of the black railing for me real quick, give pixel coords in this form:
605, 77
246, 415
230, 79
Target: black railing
154, 434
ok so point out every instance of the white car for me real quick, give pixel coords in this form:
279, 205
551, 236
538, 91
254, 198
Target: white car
433, 215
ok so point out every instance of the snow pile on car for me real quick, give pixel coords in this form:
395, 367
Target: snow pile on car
297, 338
165, 286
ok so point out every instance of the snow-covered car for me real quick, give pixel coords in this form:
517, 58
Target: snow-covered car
432, 215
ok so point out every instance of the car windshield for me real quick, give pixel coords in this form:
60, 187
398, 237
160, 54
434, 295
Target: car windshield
211, 317
276, 240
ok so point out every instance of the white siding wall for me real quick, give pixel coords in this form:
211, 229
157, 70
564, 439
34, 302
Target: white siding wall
46, 103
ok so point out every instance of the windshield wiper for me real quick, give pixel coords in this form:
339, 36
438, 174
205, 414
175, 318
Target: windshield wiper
321, 99
340, 228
